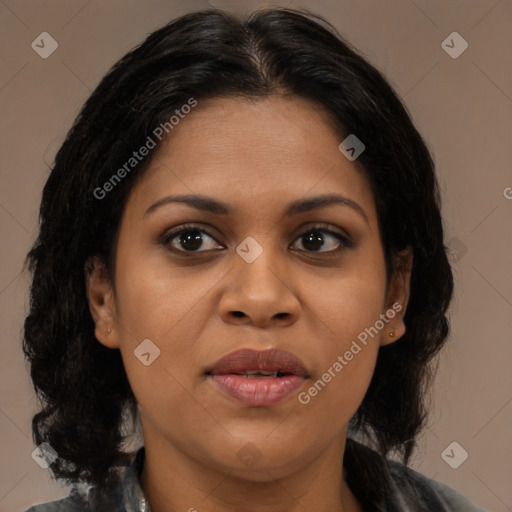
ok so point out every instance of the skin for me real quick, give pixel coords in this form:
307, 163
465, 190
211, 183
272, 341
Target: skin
200, 306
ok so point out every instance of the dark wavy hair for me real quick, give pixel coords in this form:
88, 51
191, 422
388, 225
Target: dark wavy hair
81, 384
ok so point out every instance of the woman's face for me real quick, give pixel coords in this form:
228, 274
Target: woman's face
249, 275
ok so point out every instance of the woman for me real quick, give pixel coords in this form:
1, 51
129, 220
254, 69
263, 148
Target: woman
241, 248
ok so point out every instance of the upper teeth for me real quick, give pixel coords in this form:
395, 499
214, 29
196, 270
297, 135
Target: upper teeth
252, 373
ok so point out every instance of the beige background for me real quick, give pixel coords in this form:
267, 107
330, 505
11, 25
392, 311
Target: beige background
462, 106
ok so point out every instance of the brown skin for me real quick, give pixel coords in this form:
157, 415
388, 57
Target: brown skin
257, 157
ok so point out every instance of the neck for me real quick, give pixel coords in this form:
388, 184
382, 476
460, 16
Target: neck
174, 481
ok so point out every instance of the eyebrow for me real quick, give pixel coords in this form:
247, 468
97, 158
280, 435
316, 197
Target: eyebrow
208, 204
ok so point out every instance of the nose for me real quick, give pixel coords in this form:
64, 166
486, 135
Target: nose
260, 293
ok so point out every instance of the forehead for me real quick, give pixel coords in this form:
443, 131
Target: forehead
271, 150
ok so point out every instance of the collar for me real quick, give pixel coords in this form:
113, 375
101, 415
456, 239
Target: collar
135, 500
133, 495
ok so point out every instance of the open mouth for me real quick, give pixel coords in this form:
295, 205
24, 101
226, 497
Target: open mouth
257, 389
259, 364
258, 374
258, 378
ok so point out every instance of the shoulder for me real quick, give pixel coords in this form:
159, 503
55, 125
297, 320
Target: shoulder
111, 500
73, 503
123, 492
411, 486
385, 485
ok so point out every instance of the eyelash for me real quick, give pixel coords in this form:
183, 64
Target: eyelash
345, 243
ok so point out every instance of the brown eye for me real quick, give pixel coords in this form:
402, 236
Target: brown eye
191, 239
313, 241
322, 240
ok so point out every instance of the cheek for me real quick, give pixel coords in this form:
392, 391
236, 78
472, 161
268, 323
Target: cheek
169, 307
345, 304
157, 299
346, 353
347, 315
335, 394
172, 323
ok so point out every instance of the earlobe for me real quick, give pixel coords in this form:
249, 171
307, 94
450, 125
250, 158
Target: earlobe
398, 296
101, 301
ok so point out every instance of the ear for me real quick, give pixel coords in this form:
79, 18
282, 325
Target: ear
398, 296
100, 296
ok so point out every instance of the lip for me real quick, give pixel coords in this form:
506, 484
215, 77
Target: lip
225, 374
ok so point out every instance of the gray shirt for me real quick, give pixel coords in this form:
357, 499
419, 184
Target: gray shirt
392, 487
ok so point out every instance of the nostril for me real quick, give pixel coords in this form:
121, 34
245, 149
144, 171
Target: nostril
238, 313
281, 315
